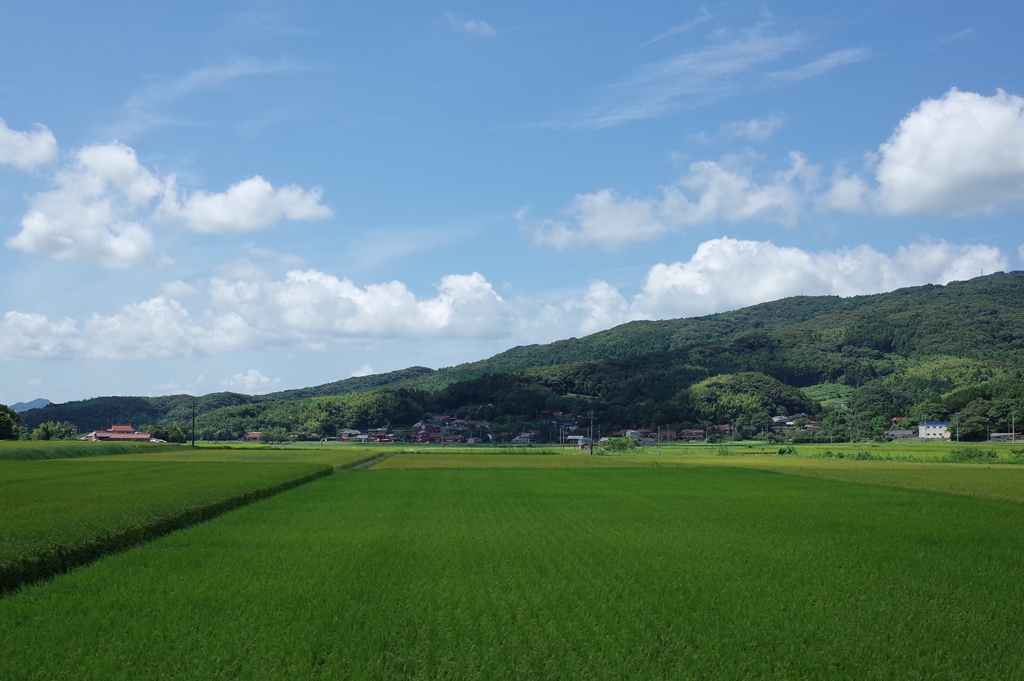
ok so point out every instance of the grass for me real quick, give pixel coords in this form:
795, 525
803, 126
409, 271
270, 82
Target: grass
985, 482
336, 457
61, 514
20, 450
692, 572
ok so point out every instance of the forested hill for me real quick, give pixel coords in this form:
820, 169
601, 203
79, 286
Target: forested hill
102, 412
981, 317
927, 350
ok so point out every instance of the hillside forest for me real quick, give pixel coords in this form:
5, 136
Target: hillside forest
845, 368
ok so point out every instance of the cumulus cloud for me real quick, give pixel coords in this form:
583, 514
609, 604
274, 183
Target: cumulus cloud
471, 26
311, 309
727, 273
33, 336
251, 382
105, 201
960, 154
306, 309
248, 205
365, 370
26, 149
312, 304
722, 191
90, 214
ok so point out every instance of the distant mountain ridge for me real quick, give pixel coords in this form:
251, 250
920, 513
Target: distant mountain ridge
957, 318
800, 341
101, 412
37, 403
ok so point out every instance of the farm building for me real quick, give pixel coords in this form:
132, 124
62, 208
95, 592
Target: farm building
119, 432
933, 430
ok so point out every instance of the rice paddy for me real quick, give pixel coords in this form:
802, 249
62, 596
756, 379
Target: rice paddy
335, 456
59, 514
681, 572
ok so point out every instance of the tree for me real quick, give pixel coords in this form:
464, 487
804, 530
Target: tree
620, 444
52, 430
270, 435
171, 433
10, 423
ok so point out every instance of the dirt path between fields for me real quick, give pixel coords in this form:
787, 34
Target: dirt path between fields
372, 462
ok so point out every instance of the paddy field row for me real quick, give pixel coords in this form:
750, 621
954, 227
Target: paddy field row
60, 514
619, 573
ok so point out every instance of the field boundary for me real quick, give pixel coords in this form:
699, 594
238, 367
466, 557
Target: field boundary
80, 451
58, 560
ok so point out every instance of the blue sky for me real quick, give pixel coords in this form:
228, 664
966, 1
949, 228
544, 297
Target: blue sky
255, 196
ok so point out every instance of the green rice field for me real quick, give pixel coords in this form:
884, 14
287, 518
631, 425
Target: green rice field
687, 571
55, 515
334, 456
15, 450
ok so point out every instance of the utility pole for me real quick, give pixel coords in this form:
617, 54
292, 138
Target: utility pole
193, 423
591, 432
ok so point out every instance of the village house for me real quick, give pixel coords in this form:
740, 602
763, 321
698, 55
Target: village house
119, 432
934, 430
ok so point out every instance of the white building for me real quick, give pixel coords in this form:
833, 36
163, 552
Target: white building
933, 430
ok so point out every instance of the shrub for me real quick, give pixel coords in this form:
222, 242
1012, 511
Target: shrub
973, 455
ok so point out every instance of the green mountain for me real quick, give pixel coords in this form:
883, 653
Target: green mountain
102, 412
811, 339
923, 352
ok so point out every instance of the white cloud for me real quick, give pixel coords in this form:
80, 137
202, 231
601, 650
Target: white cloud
90, 215
845, 192
754, 130
310, 304
307, 309
726, 273
26, 149
33, 336
248, 205
471, 26
960, 154
311, 310
710, 192
365, 370
1020, 253
103, 204
603, 219
821, 66
251, 382
159, 327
